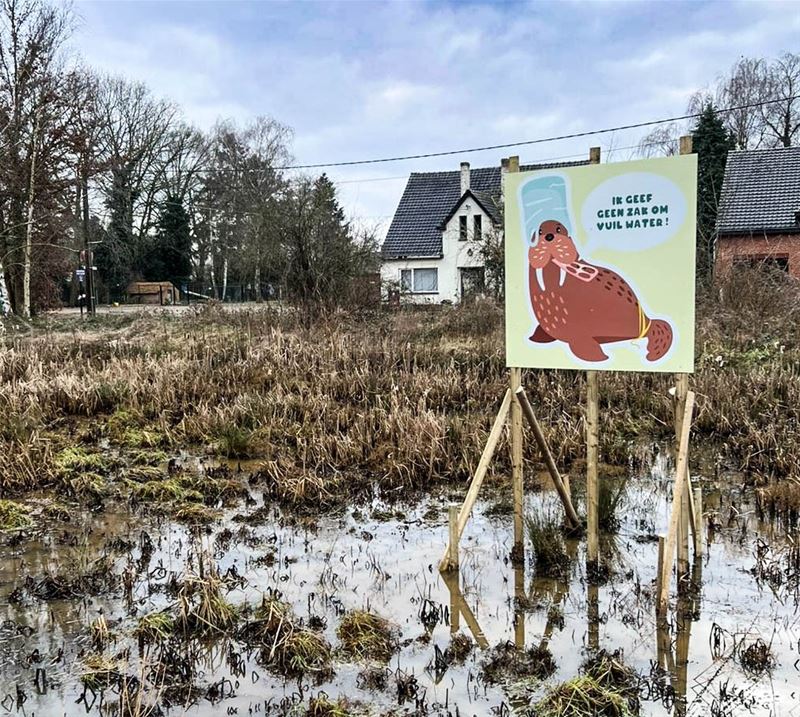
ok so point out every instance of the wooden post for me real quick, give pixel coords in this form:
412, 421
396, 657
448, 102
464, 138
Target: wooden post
515, 382
593, 617
480, 473
516, 465
592, 487
677, 498
698, 522
454, 538
592, 445
459, 607
660, 565
681, 389
519, 612
527, 411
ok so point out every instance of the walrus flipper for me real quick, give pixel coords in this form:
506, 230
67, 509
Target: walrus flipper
587, 349
540, 336
659, 339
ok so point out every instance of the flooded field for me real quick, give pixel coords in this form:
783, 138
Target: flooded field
262, 612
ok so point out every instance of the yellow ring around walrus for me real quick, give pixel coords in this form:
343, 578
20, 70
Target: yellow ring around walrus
644, 324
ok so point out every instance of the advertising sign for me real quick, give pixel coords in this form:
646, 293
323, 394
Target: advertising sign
600, 266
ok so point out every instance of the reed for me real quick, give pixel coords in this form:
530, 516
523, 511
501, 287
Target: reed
402, 399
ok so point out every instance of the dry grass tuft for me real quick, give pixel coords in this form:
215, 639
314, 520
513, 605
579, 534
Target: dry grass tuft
549, 550
505, 662
403, 399
367, 636
286, 646
202, 607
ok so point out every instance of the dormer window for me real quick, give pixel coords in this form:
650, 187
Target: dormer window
462, 228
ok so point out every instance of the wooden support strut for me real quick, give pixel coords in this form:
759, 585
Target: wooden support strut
515, 383
527, 411
681, 486
592, 486
480, 473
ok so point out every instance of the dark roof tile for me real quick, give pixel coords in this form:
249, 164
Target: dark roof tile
430, 196
760, 192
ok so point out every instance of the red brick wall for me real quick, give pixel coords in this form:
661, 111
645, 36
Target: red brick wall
772, 245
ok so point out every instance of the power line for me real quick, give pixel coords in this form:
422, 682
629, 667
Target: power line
541, 140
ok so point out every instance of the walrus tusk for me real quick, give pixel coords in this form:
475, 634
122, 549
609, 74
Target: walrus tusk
540, 278
562, 275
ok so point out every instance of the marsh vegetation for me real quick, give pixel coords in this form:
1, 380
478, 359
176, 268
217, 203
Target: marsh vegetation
218, 509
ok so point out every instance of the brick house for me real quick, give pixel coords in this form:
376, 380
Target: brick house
432, 252
759, 214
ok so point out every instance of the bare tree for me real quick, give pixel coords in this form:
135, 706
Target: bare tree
745, 86
31, 36
782, 115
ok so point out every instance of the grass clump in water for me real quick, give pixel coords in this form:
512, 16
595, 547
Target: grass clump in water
286, 645
611, 496
549, 551
756, 658
14, 516
610, 672
582, 697
202, 608
506, 661
367, 636
100, 672
156, 627
323, 706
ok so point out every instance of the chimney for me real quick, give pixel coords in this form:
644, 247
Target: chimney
464, 177
503, 173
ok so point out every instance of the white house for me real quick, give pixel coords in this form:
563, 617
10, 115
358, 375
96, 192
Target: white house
432, 251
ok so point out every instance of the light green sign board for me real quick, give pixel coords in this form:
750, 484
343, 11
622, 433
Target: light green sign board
600, 266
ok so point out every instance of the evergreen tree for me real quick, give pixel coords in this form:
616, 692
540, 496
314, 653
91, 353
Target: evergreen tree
168, 256
712, 142
324, 258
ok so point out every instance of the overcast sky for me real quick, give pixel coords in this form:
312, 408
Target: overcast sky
357, 80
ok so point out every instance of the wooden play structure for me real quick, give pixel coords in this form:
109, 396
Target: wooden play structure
686, 511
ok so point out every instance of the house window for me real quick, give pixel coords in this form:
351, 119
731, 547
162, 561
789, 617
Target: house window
476, 228
763, 261
419, 281
426, 280
462, 228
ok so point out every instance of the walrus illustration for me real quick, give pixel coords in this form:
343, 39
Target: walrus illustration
584, 305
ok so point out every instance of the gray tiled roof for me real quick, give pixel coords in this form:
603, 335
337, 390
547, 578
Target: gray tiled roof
428, 199
761, 191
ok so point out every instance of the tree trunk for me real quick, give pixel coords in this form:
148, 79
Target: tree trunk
224, 277
26, 268
89, 277
257, 283
5, 302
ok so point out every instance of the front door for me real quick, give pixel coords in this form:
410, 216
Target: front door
472, 282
